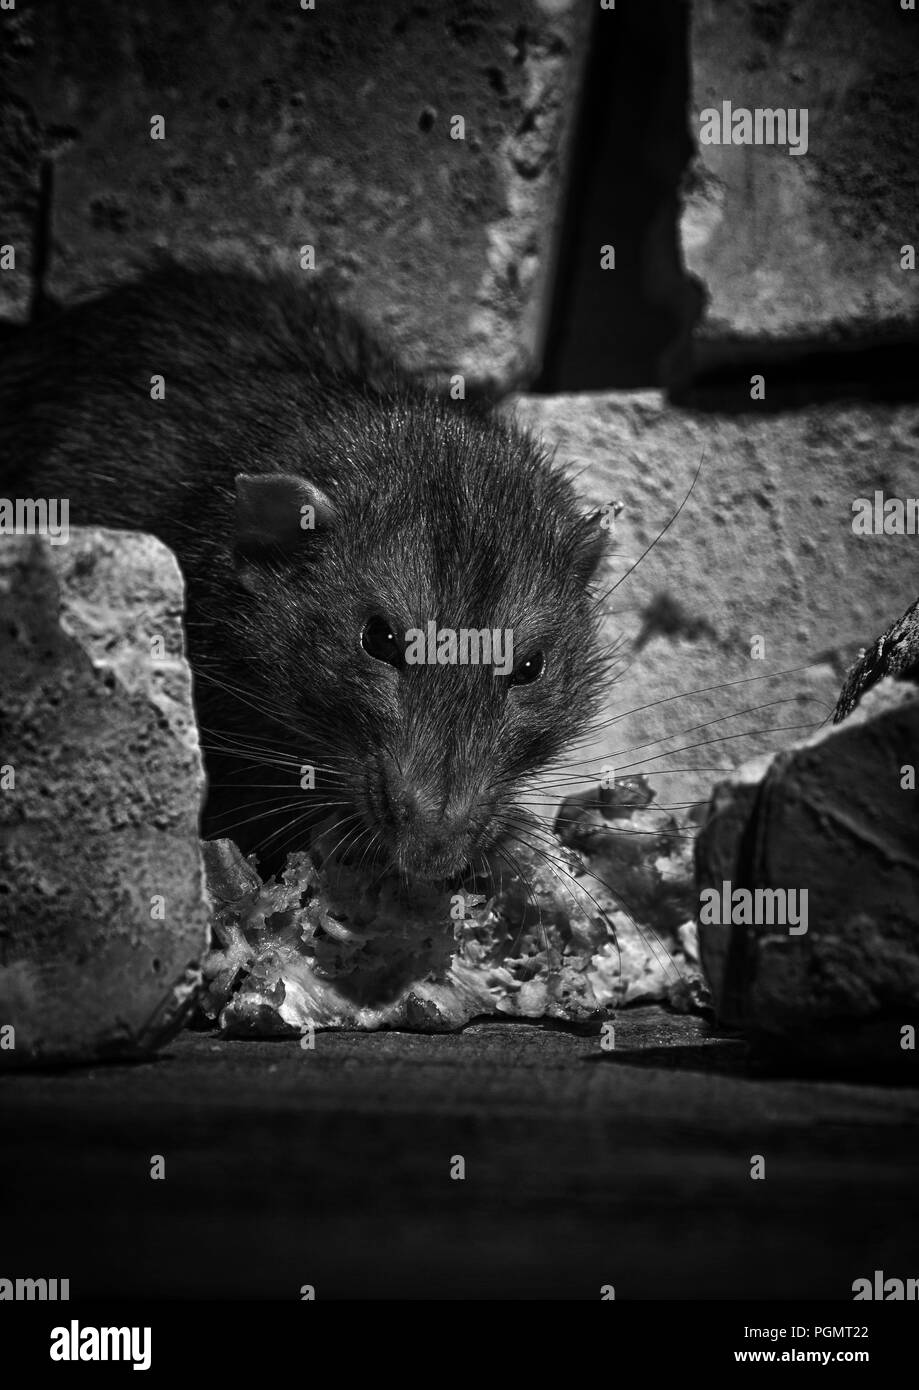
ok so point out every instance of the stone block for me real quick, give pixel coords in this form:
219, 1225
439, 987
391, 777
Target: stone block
104, 916
830, 976
805, 245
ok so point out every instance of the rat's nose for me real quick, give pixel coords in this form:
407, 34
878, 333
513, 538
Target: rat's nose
431, 839
411, 804
420, 814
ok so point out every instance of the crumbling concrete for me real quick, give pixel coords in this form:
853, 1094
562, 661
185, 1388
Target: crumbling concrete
103, 909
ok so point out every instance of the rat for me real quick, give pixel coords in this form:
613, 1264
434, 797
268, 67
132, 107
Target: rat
323, 503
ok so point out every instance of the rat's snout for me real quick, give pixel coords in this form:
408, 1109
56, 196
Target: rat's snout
429, 828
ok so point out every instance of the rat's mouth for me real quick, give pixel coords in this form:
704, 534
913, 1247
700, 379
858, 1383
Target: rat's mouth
404, 835
390, 855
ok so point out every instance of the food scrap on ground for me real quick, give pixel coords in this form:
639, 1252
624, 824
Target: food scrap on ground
602, 917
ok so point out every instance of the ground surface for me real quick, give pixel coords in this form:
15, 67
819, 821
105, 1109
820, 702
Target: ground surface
287, 1167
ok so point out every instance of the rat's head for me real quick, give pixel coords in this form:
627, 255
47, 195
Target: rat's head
420, 612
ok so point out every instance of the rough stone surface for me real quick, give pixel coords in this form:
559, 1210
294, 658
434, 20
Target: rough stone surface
832, 817
102, 818
764, 546
806, 244
287, 127
896, 654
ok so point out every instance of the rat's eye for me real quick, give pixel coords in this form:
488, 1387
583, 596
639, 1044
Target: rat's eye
529, 670
380, 642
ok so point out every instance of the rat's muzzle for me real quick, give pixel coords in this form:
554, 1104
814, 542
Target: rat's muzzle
429, 834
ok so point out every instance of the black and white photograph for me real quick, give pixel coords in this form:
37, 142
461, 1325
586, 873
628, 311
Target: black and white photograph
459, 646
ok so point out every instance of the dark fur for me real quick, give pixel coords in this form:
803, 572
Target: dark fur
441, 511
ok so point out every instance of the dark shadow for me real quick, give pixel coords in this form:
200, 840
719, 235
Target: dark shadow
619, 328
727, 1056
803, 372
736, 1057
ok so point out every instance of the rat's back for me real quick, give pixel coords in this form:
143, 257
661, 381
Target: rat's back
138, 402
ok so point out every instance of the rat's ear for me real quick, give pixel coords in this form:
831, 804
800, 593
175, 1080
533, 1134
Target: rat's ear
277, 511
591, 542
